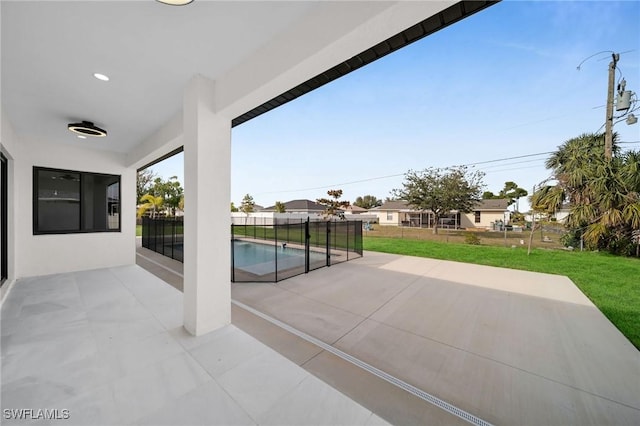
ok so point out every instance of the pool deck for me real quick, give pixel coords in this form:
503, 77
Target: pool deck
511, 347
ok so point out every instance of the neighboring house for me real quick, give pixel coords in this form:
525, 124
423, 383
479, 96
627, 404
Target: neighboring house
399, 213
299, 206
561, 214
354, 210
266, 218
486, 213
296, 210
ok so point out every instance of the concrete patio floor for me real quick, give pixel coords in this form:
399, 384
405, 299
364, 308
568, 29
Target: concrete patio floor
511, 347
108, 346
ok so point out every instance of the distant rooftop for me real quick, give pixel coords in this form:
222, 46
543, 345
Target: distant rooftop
400, 205
299, 205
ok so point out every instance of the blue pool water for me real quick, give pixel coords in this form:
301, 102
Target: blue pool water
260, 259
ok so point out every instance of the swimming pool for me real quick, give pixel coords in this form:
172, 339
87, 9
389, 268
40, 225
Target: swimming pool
260, 259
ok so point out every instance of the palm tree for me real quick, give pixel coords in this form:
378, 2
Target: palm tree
603, 194
150, 202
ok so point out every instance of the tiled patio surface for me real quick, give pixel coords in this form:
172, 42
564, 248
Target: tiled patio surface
108, 345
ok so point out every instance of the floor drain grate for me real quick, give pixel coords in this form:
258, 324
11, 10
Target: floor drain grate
452, 409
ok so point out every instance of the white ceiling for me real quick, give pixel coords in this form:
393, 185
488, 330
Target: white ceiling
50, 51
253, 50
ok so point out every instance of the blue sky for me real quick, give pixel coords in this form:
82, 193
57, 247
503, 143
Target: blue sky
502, 83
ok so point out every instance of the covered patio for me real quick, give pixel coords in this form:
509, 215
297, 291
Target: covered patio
139, 80
107, 347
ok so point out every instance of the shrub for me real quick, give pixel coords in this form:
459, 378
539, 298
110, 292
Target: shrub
472, 238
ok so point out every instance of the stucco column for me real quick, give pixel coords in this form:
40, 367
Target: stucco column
207, 191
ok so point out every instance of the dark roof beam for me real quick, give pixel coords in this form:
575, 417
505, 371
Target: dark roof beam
422, 29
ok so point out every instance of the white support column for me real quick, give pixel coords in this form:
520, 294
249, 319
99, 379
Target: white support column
207, 194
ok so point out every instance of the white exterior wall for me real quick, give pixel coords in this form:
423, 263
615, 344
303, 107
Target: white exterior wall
467, 220
382, 218
58, 253
239, 218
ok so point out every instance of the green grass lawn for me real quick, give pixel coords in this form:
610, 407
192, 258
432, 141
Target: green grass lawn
138, 230
611, 282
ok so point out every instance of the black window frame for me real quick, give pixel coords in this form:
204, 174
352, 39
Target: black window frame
477, 216
80, 230
4, 220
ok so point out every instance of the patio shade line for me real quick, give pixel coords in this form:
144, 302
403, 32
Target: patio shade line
451, 409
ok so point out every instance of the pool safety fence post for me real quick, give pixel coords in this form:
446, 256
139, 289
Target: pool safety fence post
161, 221
307, 238
328, 243
233, 261
150, 233
154, 232
173, 237
145, 228
347, 241
275, 246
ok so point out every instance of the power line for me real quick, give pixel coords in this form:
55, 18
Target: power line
334, 185
513, 163
397, 175
513, 168
593, 144
505, 159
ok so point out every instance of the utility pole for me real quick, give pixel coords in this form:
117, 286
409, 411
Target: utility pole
608, 132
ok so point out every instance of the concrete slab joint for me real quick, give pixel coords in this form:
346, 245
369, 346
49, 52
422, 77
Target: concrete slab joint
207, 176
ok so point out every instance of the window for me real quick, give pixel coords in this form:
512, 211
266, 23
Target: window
67, 201
389, 216
477, 216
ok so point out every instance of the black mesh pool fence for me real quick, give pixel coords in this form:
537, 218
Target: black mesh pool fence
268, 250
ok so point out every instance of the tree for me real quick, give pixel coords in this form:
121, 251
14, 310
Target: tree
233, 208
172, 193
442, 190
150, 202
143, 183
603, 194
367, 202
488, 195
510, 192
247, 205
280, 208
333, 204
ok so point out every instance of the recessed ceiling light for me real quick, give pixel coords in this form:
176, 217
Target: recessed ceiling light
175, 2
82, 137
87, 128
100, 76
